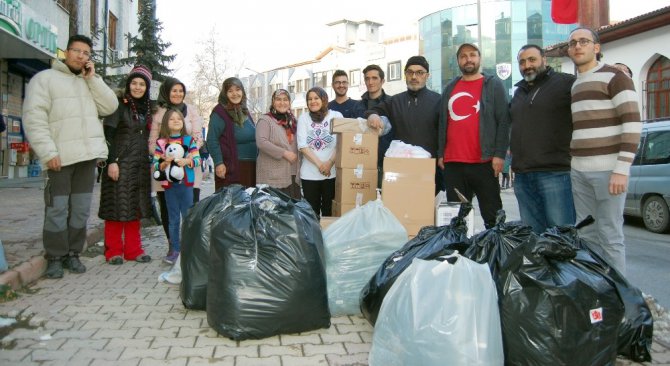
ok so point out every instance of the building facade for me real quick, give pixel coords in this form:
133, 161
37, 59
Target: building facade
498, 27
35, 32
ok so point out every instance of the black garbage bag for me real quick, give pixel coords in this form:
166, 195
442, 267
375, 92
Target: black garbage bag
494, 245
636, 330
196, 236
555, 309
266, 273
431, 242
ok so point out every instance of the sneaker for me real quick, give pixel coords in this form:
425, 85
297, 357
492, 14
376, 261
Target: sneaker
115, 260
73, 263
54, 269
171, 258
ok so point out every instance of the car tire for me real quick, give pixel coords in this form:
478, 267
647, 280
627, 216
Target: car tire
656, 215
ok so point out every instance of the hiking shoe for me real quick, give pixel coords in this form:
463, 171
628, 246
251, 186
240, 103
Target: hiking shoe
115, 260
73, 263
144, 258
54, 269
171, 258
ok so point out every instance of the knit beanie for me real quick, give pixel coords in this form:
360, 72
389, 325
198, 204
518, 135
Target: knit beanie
417, 60
141, 71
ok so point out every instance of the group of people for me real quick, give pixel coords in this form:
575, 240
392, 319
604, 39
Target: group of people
572, 138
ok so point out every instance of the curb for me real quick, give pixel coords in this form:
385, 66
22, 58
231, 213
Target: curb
31, 270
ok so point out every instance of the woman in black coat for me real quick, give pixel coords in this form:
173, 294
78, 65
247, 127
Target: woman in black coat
125, 194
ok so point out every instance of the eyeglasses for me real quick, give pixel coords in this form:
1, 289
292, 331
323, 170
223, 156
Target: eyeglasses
340, 82
582, 42
418, 73
80, 52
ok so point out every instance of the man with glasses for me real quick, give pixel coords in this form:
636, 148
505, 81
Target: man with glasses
61, 118
412, 114
606, 132
474, 134
342, 103
540, 142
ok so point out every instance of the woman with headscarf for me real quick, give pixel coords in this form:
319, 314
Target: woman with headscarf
277, 164
125, 193
231, 139
171, 96
317, 145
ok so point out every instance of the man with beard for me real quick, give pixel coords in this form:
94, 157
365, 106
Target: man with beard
540, 142
473, 134
411, 114
342, 103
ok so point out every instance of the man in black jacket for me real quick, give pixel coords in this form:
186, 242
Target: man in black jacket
373, 75
412, 114
473, 134
540, 142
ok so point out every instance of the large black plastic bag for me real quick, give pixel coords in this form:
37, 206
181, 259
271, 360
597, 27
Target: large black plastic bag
636, 330
196, 236
555, 309
266, 272
494, 245
430, 242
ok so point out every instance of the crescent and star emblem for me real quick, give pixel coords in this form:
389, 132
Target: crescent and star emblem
453, 99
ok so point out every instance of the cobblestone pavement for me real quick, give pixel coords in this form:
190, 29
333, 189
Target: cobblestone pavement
122, 315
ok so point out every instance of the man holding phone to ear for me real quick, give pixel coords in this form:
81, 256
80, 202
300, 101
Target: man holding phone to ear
61, 117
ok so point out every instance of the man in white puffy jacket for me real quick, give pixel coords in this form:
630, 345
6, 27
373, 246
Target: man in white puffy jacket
61, 117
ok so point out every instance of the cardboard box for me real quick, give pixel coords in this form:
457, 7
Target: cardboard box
408, 190
356, 150
355, 186
356, 125
340, 209
445, 211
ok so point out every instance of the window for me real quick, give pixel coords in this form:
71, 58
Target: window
394, 72
656, 148
299, 86
658, 89
355, 77
321, 79
94, 16
291, 87
111, 31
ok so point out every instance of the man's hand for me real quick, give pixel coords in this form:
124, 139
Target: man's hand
618, 183
374, 121
113, 171
89, 70
497, 164
220, 171
54, 164
440, 162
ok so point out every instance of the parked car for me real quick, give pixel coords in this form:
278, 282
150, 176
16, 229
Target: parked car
649, 187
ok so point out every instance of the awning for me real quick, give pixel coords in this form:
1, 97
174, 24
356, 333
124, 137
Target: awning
12, 46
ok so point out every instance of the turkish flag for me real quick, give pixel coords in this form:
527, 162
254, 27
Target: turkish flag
564, 11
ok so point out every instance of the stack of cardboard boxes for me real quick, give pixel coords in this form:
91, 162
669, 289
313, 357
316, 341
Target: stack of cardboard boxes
356, 165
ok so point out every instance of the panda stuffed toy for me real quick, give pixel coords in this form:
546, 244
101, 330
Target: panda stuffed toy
173, 173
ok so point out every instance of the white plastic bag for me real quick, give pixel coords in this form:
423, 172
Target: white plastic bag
438, 313
355, 246
399, 149
173, 276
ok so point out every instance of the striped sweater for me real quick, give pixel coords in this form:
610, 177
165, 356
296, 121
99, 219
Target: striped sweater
606, 121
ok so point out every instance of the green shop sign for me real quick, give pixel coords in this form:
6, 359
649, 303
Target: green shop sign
21, 21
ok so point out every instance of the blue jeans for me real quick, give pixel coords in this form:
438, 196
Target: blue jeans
179, 198
545, 199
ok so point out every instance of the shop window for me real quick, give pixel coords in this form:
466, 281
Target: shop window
658, 89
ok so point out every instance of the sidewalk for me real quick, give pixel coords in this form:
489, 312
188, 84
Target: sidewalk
122, 315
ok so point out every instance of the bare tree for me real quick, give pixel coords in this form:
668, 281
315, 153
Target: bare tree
214, 62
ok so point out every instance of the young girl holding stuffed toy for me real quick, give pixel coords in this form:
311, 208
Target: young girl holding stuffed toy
176, 173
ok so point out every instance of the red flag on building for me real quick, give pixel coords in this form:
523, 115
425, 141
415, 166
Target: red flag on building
564, 11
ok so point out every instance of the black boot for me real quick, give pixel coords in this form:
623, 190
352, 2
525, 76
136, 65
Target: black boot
73, 263
54, 268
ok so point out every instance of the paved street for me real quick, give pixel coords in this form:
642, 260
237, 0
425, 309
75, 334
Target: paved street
122, 315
